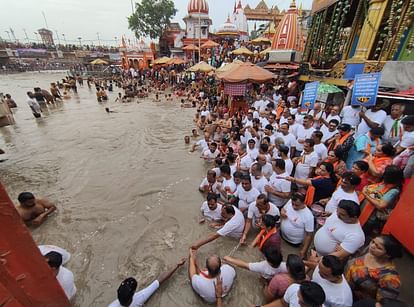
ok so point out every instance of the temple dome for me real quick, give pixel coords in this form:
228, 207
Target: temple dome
288, 34
228, 27
198, 6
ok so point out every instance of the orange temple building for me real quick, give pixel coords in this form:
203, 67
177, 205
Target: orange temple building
139, 56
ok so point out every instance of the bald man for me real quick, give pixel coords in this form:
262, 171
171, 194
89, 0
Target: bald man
203, 281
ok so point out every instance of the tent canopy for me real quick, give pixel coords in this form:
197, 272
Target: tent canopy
99, 62
246, 72
201, 67
190, 47
163, 60
176, 61
266, 51
261, 40
209, 44
242, 51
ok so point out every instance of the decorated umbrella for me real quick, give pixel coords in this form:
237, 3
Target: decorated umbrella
246, 72
190, 47
176, 61
161, 61
201, 67
260, 41
326, 88
242, 51
209, 44
99, 62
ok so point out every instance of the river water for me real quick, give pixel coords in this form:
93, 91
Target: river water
126, 190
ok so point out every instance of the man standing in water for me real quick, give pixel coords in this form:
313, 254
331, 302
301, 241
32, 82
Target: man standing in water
126, 291
33, 210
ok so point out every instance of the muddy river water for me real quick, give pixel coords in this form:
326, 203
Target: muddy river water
126, 190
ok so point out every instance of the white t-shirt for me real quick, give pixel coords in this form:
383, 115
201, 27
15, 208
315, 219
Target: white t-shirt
288, 166
280, 185
337, 295
350, 116
205, 287
296, 224
333, 232
266, 270
259, 184
407, 139
233, 227
303, 134
140, 297
303, 168
289, 140
229, 186
246, 197
294, 129
321, 150
327, 134
214, 188
66, 281
291, 295
377, 117
388, 125
214, 215
253, 153
254, 213
339, 195
208, 155
203, 145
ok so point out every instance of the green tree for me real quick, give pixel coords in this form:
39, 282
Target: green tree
151, 17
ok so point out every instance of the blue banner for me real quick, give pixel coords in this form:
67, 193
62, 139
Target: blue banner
309, 95
365, 90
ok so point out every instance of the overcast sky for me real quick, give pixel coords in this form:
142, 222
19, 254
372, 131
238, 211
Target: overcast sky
84, 18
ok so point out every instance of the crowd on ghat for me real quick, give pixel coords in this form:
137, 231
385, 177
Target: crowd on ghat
322, 181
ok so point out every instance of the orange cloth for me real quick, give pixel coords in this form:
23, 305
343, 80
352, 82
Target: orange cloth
369, 207
341, 141
310, 192
262, 237
368, 149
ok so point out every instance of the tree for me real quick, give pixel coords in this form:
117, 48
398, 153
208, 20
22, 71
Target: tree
151, 17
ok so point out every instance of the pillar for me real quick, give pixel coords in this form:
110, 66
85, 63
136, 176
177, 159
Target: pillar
370, 28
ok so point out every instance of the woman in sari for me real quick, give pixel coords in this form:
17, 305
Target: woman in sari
320, 187
379, 161
336, 158
379, 199
374, 275
269, 236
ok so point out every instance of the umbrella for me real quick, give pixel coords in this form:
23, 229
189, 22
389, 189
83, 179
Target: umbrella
228, 67
326, 88
190, 47
99, 62
176, 61
201, 67
163, 60
242, 51
266, 51
209, 44
261, 40
246, 72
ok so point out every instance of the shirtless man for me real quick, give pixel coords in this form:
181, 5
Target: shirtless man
34, 211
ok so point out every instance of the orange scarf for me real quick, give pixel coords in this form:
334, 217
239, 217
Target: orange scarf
262, 237
369, 208
279, 111
310, 192
379, 161
341, 141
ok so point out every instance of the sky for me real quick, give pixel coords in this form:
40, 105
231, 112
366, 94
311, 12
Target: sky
90, 19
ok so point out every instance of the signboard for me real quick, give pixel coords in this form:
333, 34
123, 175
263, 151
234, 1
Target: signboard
353, 69
365, 89
310, 94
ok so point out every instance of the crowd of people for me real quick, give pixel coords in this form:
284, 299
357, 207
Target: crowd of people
321, 182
